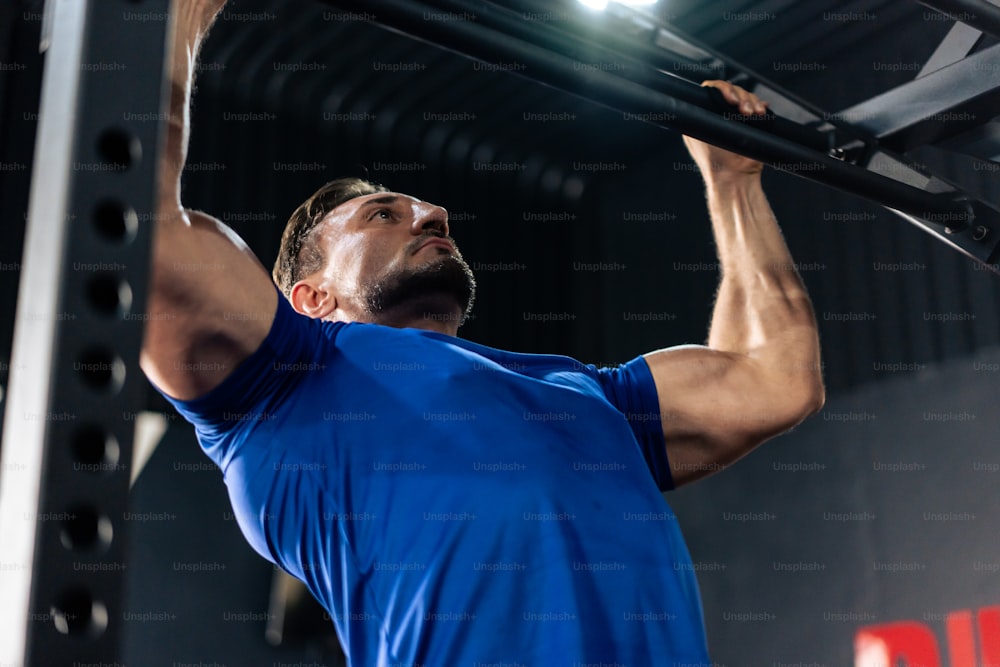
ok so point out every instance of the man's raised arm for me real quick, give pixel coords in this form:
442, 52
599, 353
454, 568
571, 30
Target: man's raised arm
760, 374
211, 302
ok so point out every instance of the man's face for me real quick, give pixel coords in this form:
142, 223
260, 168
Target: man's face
390, 260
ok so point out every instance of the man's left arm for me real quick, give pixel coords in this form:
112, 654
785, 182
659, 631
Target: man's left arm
760, 373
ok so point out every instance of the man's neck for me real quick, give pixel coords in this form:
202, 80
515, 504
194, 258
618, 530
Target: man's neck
427, 315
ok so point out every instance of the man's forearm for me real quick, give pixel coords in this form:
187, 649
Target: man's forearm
191, 22
762, 308
760, 373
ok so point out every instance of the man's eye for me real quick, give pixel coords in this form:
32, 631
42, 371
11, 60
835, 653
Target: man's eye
384, 214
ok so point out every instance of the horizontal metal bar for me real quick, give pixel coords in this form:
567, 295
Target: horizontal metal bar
625, 65
541, 65
977, 13
647, 38
621, 27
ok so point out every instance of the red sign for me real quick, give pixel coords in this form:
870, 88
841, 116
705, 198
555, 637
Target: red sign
914, 644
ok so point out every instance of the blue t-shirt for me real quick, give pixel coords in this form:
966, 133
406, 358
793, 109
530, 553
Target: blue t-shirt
457, 505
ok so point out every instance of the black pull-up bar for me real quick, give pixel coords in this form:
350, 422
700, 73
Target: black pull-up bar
628, 65
701, 121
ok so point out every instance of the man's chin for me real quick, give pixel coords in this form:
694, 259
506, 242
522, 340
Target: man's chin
441, 289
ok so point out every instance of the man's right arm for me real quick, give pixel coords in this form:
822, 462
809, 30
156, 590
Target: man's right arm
211, 302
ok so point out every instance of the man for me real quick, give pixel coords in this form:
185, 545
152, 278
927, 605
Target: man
448, 503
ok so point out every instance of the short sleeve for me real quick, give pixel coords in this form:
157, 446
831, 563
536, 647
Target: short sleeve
630, 388
292, 347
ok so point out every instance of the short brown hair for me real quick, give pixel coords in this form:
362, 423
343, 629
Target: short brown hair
296, 257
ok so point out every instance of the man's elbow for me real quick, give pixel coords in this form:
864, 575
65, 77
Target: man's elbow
787, 406
801, 400
796, 389
814, 398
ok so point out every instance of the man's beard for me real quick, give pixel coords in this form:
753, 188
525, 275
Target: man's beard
431, 291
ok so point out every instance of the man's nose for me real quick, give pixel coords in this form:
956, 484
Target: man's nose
427, 217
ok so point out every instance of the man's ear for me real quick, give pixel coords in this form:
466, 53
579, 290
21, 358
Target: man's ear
312, 300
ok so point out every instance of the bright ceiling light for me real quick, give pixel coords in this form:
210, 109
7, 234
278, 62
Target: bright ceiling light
601, 4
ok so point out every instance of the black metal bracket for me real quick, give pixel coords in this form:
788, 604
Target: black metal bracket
934, 107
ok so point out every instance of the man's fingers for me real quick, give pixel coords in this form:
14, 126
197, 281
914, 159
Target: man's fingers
748, 103
728, 90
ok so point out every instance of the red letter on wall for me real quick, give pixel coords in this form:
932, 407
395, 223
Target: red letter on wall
885, 645
989, 636
961, 644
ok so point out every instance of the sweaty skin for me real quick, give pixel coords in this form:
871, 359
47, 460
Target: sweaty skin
374, 237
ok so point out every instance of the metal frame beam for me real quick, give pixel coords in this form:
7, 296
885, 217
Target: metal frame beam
957, 44
934, 107
66, 447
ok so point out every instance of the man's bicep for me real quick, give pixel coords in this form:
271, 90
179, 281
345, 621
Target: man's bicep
211, 304
714, 408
